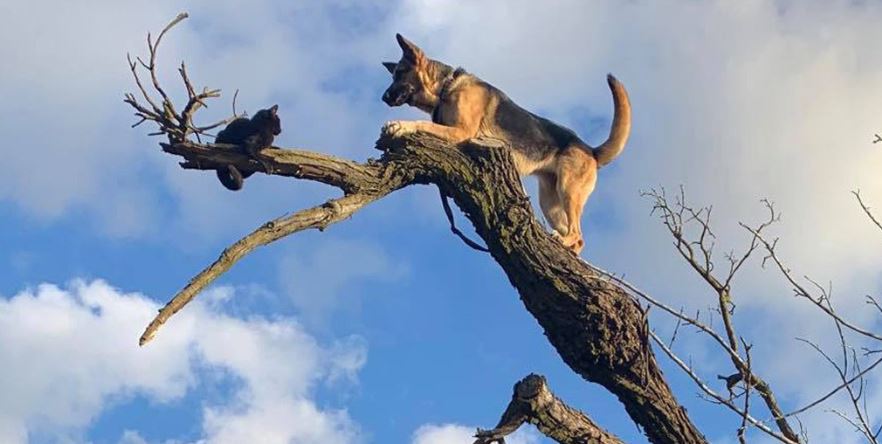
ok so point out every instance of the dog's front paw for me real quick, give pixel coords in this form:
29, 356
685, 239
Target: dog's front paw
398, 128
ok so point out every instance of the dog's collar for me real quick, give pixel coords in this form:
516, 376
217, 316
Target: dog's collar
445, 86
448, 80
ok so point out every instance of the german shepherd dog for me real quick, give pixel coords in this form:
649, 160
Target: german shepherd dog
463, 106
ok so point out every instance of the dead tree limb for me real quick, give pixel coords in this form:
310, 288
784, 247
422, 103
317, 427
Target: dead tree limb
595, 325
593, 319
694, 241
533, 402
318, 217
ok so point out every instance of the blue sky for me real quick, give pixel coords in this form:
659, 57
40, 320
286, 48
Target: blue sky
385, 328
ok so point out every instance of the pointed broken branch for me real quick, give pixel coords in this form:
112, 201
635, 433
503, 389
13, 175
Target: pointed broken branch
533, 402
596, 326
318, 217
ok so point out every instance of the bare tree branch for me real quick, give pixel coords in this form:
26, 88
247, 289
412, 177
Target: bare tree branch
716, 396
176, 126
697, 250
855, 395
449, 213
318, 217
800, 290
533, 402
593, 319
742, 431
857, 195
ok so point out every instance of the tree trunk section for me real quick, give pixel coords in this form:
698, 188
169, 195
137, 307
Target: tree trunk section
599, 330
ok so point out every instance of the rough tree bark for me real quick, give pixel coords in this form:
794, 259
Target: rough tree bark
593, 322
533, 402
596, 326
591, 318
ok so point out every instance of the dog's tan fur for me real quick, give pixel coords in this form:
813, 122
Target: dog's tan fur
463, 107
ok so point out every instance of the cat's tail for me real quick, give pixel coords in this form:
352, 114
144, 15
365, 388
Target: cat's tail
230, 177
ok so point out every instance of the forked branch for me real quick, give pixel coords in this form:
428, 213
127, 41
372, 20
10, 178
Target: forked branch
596, 326
534, 403
177, 126
697, 250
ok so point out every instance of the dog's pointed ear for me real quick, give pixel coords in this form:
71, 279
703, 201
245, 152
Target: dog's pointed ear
390, 66
411, 52
274, 108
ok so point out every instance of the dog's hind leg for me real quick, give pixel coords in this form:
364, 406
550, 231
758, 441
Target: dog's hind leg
576, 178
549, 202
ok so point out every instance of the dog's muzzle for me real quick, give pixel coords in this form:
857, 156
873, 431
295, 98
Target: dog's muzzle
397, 95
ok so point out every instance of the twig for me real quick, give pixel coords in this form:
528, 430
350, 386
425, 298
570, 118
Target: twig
676, 329
449, 213
835, 390
698, 253
800, 291
716, 396
176, 126
742, 431
857, 194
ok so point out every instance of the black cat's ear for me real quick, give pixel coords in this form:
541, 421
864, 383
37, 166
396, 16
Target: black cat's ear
274, 108
390, 66
411, 52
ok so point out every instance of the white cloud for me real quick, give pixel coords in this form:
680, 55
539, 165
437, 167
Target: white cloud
68, 352
458, 434
131, 437
62, 108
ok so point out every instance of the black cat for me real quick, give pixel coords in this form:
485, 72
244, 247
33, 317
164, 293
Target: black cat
252, 135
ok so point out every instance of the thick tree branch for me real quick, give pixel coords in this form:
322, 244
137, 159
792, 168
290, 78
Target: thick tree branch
595, 325
533, 402
366, 183
348, 176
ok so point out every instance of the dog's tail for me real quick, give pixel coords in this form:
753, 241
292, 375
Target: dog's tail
621, 124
